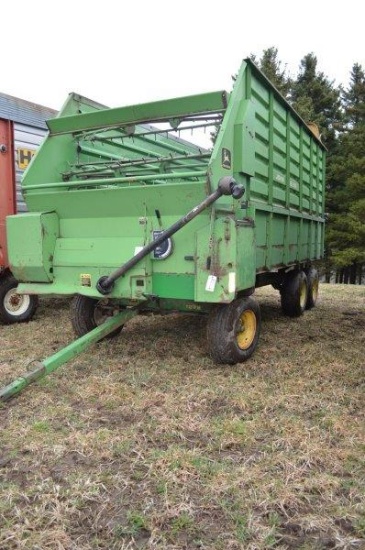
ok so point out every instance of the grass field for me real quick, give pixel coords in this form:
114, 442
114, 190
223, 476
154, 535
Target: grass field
142, 442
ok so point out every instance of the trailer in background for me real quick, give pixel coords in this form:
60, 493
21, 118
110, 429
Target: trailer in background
22, 129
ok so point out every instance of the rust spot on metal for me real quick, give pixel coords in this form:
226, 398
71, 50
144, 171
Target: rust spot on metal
227, 230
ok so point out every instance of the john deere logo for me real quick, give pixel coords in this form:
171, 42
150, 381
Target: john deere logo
226, 158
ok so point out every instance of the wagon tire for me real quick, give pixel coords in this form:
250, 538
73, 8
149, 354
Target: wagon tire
313, 286
88, 313
15, 308
233, 331
294, 293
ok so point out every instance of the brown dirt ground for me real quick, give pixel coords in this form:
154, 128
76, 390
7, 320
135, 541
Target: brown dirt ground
143, 442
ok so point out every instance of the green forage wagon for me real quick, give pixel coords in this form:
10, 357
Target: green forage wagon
129, 217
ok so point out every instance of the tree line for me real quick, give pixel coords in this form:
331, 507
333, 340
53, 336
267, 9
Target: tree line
339, 111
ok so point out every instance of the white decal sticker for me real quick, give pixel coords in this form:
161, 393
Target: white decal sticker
211, 281
232, 282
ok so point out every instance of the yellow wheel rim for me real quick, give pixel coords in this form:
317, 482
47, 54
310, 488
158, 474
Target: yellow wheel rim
303, 295
315, 289
247, 327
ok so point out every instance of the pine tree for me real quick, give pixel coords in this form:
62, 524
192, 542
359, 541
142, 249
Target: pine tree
271, 66
317, 100
346, 196
354, 97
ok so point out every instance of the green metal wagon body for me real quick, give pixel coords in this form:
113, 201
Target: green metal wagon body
105, 184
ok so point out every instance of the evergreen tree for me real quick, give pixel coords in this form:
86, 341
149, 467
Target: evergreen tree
354, 97
346, 197
317, 100
271, 66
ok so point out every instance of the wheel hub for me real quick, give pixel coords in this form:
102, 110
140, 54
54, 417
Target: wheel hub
247, 327
103, 310
16, 304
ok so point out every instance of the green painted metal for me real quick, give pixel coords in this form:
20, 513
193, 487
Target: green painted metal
111, 180
52, 363
41, 230
114, 181
136, 114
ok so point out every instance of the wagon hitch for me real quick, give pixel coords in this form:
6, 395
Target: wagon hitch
226, 186
69, 352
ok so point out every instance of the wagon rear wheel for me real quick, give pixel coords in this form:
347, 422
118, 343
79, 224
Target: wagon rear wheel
294, 293
88, 313
313, 287
233, 331
14, 307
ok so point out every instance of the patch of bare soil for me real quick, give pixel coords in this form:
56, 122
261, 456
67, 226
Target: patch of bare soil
143, 442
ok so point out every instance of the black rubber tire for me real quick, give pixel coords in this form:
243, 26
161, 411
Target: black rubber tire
224, 329
294, 293
84, 315
15, 308
313, 283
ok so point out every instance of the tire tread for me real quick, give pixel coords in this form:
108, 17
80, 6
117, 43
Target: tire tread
221, 334
290, 293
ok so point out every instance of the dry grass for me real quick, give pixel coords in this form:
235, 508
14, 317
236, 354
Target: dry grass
142, 442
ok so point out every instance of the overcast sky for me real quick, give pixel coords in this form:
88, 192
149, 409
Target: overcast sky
125, 52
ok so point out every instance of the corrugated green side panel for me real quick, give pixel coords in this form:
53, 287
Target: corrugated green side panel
282, 165
287, 188
289, 163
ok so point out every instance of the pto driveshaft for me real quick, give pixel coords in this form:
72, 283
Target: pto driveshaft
226, 186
